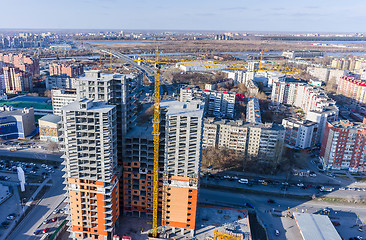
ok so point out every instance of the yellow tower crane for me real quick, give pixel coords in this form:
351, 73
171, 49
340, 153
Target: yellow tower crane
156, 122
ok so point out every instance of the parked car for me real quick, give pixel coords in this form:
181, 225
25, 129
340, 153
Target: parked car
54, 219
271, 201
249, 205
47, 221
277, 233
300, 184
38, 231
45, 230
335, 223
11, 216
243, 181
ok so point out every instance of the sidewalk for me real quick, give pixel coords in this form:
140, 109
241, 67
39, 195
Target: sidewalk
24, 210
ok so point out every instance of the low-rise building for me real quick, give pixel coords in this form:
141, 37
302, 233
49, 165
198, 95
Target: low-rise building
49, 127
302, 54
343, 146
16, 123
300, 133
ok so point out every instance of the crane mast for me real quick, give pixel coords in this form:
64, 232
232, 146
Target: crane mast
156, 133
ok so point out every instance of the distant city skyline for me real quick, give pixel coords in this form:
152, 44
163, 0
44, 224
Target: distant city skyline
214, 15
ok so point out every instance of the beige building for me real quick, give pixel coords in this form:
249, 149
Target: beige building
49, 127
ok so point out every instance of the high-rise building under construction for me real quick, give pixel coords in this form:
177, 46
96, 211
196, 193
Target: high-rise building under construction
183, 142
90, 163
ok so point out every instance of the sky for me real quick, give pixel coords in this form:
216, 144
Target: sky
210, 15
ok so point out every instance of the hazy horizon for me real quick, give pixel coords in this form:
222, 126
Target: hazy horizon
328, 16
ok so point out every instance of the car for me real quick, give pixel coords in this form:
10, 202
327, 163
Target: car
265, 183
38, 231
45, 230
227, 177
235, 178
11, 216
342, 188
54, 219
271, 201
335, 223
249, 205
55, 211
243, 181
261, 181
285, 183
300, 184
47, 221
277, 233
312, 175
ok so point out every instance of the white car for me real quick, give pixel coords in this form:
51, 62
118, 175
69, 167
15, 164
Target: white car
342, 188
312, 175
243, 181
300, 184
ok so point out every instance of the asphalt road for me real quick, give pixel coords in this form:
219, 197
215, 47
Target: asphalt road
36, 216
346, 214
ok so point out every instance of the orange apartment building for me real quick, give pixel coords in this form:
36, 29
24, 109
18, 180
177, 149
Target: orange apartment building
90, 158
182, 161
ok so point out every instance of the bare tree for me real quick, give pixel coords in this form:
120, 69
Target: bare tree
53, 147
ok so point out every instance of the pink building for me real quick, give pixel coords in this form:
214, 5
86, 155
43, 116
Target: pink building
70, 70
17, 80
352, 88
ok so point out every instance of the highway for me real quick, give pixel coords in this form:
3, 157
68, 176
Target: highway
149, 71
346, 214
52, 198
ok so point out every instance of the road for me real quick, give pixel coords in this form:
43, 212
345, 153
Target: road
52, 198
346, 214
149, 71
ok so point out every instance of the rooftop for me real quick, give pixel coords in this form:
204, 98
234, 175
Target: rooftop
192, 108
93, 106
346, 124
316, 227
51, 118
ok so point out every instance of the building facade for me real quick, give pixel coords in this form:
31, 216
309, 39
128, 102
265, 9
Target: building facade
16, 123
352, 88
300, 133
62, 97
49, 128
343, 146
90, 160
16, 80
183, 141
60, 81
70, 70
217, 103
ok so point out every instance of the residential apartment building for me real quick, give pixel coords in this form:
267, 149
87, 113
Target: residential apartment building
325, 74
328, 114
217, 103
17, 80
138, 167
116, 89
62, 97
287, 91
90, 160
343, 146
23, 62
60, 81
70, 70
300, 133
352, 88
253, 111
263, 142
183, 141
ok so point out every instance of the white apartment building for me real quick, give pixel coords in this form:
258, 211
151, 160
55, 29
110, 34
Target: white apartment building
300, 134
217, 103
255, 140
59, 81
328, 114
62, 97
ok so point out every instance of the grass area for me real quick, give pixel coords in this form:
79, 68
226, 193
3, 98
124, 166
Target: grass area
35, 105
